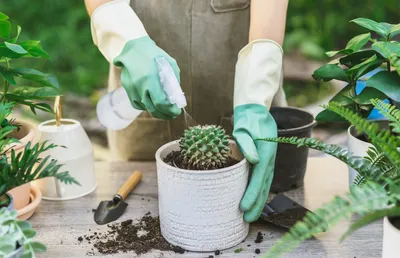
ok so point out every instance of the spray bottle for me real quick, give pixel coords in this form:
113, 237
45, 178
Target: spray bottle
115, 111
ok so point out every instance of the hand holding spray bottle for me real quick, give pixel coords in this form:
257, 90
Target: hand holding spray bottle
115, 111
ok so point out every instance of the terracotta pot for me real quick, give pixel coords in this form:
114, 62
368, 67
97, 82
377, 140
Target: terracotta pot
35, 198
199, 210
20, 195
25, 134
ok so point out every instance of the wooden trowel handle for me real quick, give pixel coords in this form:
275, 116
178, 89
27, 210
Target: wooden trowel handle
129, 184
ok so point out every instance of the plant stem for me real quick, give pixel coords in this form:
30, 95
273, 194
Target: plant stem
6, 84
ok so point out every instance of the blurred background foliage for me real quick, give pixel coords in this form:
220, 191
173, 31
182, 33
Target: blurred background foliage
63, 26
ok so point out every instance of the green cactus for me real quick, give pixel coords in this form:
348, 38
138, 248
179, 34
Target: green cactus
205, 147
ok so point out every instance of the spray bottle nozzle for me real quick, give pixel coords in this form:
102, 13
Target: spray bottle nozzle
170, 83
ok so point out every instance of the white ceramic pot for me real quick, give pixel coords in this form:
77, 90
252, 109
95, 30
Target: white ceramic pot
199, 210
77, 157
391, 240
357, 147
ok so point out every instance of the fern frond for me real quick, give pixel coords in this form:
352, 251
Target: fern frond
390, 112
361, 165
381, 138
362, 200
27, 166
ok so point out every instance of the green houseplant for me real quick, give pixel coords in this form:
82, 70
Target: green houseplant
376, 190
355, 61
20, 168
16, 237
352, 67
22, 86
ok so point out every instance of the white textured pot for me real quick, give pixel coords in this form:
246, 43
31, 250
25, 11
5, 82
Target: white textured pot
357, 147
391, 240
199, 210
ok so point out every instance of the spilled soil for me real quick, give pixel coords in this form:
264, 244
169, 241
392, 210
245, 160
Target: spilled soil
175, 159
139, 237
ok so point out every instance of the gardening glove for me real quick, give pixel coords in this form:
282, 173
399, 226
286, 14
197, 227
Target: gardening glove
257, 76
123, 40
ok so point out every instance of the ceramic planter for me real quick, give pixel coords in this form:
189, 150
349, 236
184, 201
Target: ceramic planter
199, 210
291, 161
391, 240
77, 157
358, 147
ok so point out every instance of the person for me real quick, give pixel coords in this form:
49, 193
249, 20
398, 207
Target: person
229, 55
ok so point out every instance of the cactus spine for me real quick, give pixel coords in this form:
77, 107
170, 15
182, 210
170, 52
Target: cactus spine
205, 147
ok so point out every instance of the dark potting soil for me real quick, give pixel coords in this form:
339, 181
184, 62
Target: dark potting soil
175, 159
287, 218
140, 237
395, 221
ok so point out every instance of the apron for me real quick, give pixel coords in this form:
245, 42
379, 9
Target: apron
205, 37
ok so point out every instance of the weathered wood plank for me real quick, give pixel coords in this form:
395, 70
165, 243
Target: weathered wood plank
59, 224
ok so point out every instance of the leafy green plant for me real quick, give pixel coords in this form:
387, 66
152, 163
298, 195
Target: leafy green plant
204, 147
26, 166
24, 86
375, 192
355, 61
16, 234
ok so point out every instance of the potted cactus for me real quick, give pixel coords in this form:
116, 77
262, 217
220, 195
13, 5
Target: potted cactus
199, 211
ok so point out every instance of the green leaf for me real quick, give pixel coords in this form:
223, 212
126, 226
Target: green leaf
3, 17
344, 96
394, 31
37, 76
368, 65
379, 28
30, 93
6, 52
16, 48
371, 217
357, 57
29, 233
34, 49
339, 52
387, 49
24, 224
38, 247
329, 116
364, 98
386, 82
358, 42
330, 71
6, 247
5, 28
7, 74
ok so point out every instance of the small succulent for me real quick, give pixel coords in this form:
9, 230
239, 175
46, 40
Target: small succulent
205, 147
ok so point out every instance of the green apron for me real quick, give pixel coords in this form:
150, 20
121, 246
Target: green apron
205, 37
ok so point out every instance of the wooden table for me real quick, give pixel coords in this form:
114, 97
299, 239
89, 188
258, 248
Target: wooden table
60, 223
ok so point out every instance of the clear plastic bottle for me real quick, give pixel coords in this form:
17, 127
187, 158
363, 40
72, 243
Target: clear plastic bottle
115, 111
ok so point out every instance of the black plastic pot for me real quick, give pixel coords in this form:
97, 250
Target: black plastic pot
291, 161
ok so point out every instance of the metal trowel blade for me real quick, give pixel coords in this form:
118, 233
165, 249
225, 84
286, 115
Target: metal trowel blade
109, 211
283, 211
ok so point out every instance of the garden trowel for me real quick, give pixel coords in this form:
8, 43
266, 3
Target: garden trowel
283, 211
109, 211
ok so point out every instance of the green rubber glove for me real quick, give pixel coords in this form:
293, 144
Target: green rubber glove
141, 80
251, 122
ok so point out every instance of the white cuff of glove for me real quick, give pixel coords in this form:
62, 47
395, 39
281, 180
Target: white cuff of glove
113, 24
258, 73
